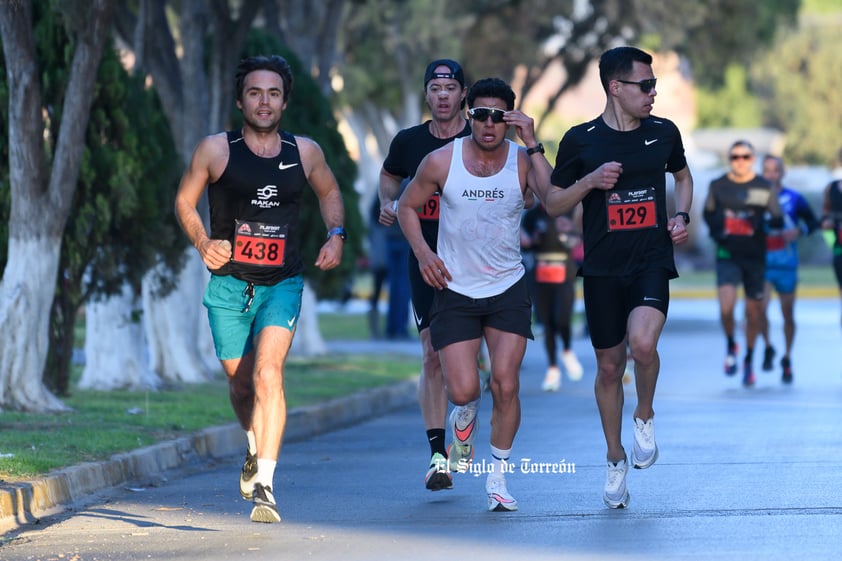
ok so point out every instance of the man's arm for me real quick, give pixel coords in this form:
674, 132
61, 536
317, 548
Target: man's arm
332, 209
827, 211
210, 152
390, 188
428, 179
561, 201
683, 200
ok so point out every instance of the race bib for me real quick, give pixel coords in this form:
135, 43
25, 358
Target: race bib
430, 210
550, 272
631, 210
259, 244
738, 224
775, 243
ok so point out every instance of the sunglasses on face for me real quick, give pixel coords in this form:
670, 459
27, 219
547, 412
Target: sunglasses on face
645, 86
740, 157
483, 113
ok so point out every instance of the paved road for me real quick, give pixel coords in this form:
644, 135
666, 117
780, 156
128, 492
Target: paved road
743, 474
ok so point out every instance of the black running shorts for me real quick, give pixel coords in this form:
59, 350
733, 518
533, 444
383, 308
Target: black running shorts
458, 318
610, 300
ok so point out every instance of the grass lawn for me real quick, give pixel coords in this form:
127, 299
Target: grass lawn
105, 423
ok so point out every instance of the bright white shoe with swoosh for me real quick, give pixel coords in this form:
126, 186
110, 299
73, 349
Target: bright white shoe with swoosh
499, 499
463, 426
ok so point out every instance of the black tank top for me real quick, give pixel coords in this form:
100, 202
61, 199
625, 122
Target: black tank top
254, 195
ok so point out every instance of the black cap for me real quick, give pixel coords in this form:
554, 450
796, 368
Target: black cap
454, 74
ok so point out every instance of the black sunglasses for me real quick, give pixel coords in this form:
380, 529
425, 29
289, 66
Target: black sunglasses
482, 113
645, 86
741, 156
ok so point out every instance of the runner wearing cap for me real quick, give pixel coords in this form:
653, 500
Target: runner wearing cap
444, 92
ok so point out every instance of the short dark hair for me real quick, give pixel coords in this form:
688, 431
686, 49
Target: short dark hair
274, 63
492, 87
618, 63
742, 142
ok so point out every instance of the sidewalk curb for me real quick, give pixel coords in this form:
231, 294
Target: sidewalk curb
26, 503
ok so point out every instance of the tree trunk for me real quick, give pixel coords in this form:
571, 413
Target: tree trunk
173, 326
308, 339
115, 347
25, 295
39, 206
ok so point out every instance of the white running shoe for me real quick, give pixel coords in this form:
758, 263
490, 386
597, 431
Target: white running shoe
499, 499
616, 494
463, 427
265, 509
552, 380
644, 450
572, 365
628, 373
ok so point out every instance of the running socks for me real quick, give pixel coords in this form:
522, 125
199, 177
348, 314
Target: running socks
437, 443
266, 472
499, 460
252, 442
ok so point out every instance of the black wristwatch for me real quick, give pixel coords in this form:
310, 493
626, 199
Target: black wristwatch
683, 215
338, 231
534, 149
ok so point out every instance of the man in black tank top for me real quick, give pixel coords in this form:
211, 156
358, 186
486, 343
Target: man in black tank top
444, 92
614, 165
255, 179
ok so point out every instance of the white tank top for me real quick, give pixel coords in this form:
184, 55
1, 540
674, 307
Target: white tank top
479, 227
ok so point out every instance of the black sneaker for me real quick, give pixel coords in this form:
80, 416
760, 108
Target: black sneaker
748, 374
768, 357
265, 509
786, 377
248, 476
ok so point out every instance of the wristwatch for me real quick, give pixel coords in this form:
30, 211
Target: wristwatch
534, 149
338, 231
683, 215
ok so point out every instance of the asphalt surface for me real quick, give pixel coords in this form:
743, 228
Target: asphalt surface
744, 473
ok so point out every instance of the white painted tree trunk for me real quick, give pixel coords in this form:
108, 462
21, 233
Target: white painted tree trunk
26, 295
115, 346
308, 339
178, 346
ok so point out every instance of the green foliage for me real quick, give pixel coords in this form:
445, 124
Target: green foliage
730, 105
800, 84
387, 42
120, 223
308, 113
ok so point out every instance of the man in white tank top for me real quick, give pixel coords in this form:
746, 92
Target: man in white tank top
484, 181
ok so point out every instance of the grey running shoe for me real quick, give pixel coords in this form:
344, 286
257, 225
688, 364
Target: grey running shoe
461, 450
248, 476
616, 494
265, 509
644, 450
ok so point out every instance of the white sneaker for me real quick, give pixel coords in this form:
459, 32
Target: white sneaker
616, 495
499, 499
552, 380
628, 373
461, 449
572, 365
644, 450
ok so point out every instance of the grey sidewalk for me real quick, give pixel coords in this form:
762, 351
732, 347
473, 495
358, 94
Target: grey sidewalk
743, 474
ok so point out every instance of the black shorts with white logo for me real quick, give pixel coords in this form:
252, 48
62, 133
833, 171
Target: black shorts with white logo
610, 300
457, 318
